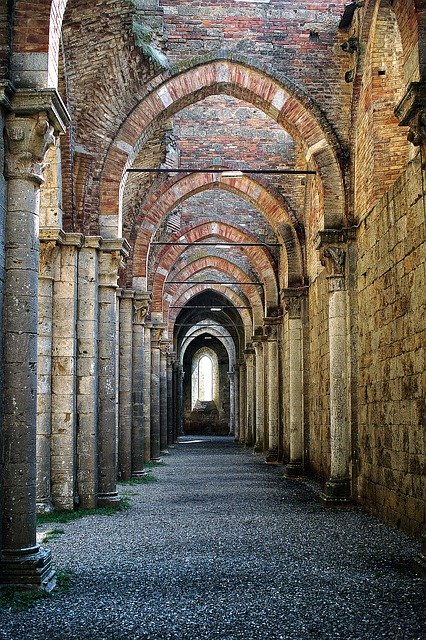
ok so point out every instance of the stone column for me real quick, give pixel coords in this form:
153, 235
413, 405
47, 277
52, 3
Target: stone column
338, 487
181, 375
231, 377
164, 349
125, 366
293, 306
156, 335
175, 416
242, 395
49, 251
29, 133
170, 431
140, 305
259, 444
147, 394
109, 262
87, 371
64, 355
272, 326
250, 397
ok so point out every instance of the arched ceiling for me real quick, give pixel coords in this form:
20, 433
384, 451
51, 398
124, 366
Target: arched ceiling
229, 242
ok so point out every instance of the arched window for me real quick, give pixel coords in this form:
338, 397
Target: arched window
205, 379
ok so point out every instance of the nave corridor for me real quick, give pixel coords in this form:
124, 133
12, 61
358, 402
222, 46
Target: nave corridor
222, 546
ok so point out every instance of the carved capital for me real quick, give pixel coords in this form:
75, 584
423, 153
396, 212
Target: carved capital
293, 307
292, 300
109, 265
111, 260
27, 140
140, 306
270, 328
331, 244
157, 331
164, 347
49, 251
333, 259
417, 134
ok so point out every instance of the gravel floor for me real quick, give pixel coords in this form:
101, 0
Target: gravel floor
223, 547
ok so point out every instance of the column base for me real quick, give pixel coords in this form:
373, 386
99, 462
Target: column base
258, 447
111, 499
164, 452
294, 470
272, 456
28, 568
139, 474
156, 459
336, 493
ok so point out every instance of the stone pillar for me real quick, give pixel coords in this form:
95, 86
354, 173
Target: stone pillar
49, 252
29, 133
272, 326
259, 444
338, 487
164, 349
140, 306
147, 394
109, 262
293, 306
181, 375
175, 416
250, 397
64, 355
156, 335
242, 401
87, 372
231, 377
170, 431
125, 366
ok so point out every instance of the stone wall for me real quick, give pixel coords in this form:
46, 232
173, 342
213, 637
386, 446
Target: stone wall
391, 352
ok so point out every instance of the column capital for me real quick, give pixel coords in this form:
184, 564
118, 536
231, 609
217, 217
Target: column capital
33, 121
27, 139
116, 245
331, 244
92, 242
248, 351
51, 234
141, 302
164, 346
411, 112
48, 253
29, 102
292, 300
126, 294
157, 331
72, 240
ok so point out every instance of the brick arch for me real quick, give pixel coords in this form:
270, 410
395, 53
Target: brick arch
260, 259
284, 102
38, 31
250, 318
218, 332
159, 206
210, 263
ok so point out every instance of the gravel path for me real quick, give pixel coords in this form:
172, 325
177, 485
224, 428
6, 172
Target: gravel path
222, 547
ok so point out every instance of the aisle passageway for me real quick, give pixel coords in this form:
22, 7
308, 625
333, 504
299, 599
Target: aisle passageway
223, 547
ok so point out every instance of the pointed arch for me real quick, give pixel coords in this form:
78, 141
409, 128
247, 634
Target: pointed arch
282, 100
